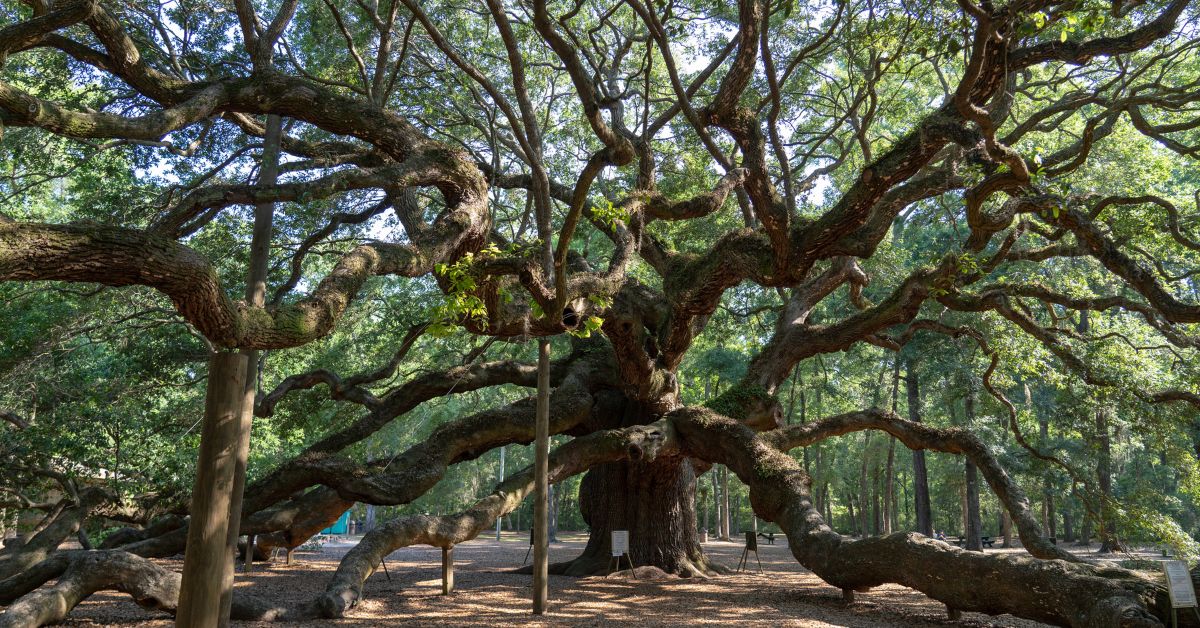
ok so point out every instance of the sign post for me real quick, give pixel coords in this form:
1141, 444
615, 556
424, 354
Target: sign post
1179, 584
620, 547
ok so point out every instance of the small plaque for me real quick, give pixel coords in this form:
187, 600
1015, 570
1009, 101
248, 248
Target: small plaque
1179, 583
751, 541
620, 542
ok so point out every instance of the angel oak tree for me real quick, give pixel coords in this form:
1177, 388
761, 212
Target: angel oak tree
707, 147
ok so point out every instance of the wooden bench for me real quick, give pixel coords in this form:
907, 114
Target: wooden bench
986, 541
769, 536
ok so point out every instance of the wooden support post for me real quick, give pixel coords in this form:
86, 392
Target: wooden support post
246, 564
541, 484
447, 570
256, 295
953, 613
291, 556
207, 552
847, 596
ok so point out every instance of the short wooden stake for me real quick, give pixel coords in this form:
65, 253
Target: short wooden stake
291, 556
249, 553
847, 596
447, 570
953, 613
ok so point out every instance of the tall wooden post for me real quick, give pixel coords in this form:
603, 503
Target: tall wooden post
447, 570
541, 484
256, 296
207, 551
500, 519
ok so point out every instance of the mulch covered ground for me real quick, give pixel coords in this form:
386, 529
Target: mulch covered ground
486, 595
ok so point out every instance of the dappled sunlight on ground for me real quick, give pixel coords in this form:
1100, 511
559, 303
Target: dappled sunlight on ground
487, 594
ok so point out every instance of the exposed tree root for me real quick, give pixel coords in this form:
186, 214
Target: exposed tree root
150, 585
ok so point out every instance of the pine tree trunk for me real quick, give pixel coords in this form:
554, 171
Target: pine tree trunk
1085, 533
708, 503
1068, 523
974, 523
920, 473
725, 531
1108, 531
889, 489
876, 514
864, 491
1047, 483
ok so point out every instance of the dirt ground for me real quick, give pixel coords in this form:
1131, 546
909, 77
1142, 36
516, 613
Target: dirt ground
785, 594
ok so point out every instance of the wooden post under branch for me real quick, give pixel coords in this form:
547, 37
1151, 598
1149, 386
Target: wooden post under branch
256, 296
500, 519
246, 564
541, 483
207, 552
447, 570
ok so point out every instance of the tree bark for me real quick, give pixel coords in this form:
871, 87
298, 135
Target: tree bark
725, 531
974, 527
864, 491
1108, 525
1068, 522
654, 502
920, 473
1048, 516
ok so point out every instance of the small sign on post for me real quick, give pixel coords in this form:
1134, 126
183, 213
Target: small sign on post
620, 542
751, 546
620, 547
1179, 585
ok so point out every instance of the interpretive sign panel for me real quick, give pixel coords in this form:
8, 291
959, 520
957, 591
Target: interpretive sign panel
620, 542
1179, 583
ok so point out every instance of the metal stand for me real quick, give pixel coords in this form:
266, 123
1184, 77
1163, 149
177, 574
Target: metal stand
751, 545
615, 561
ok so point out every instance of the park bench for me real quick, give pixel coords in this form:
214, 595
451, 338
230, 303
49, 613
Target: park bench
987, 541
769, 536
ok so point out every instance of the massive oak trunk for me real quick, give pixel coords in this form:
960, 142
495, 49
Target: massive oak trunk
653, 500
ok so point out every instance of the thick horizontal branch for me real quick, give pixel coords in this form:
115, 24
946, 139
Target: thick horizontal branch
1052, 591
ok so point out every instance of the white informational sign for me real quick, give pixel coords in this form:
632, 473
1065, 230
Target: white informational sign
620, 542
1179, 583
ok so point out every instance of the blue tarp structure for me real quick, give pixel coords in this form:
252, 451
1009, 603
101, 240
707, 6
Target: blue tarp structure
341, 526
